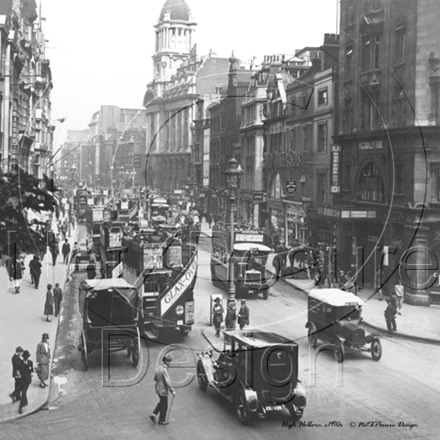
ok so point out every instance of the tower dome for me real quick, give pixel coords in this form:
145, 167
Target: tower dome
178, 9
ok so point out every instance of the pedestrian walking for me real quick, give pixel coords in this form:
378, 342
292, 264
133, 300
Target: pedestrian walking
217, 312
379, 283
57, 298
208, 219
43, 359
91, 271
162, 387
66, 251
27, 368
390, 318
15, 271
48, 305
400, 291
54, 251
35, 271
243, 315
16, 374
63, 230
231, 315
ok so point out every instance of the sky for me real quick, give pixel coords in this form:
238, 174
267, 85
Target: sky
100, 50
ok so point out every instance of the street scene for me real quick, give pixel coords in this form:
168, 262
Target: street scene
247, 248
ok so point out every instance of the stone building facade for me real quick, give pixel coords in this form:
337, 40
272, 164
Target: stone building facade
388, 206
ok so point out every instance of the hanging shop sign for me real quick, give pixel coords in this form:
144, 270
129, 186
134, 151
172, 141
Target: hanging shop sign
335, 159
291, 186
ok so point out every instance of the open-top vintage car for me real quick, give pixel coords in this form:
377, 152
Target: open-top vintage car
110, 318
257, 371
334, 316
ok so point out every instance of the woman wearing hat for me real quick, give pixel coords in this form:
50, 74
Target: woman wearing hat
48, 305
231, 315
43, 358
217, 312
27, 368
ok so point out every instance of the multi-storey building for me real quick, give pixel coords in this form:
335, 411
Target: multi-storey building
113, 151
225, 139
252, 131
388, 204
180, 78
26, 132
297, 130
310, 127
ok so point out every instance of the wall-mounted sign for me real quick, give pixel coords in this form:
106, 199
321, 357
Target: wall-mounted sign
358, 214
370, 145
291, 186
335, 160
259, 197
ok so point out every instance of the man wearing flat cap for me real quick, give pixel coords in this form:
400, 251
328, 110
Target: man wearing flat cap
163, 385
16, 374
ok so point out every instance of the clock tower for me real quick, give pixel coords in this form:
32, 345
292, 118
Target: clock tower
174, 41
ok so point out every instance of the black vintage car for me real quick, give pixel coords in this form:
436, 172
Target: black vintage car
334, 316
257, 371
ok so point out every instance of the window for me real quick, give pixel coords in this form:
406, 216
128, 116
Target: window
323, 97
321, 190
322, 138
350, 15
304, 133
399, 52
347, 119
370, 111
275, 188
371, 52
348, 62
370, 184
400, 105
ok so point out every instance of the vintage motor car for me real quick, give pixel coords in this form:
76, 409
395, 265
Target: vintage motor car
334, 316
257, 371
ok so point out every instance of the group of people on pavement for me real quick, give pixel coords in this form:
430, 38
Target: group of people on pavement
23, 369
53, 301
231, 315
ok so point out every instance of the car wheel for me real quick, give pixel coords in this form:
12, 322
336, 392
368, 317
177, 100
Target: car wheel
201, 376
339, 351
241, 409
376, 349
313, 339
185, 331
293, 413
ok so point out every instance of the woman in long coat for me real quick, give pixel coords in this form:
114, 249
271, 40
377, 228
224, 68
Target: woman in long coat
48, 305
43, 359
217, 318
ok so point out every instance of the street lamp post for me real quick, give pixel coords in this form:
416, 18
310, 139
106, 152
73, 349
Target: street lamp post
234, 173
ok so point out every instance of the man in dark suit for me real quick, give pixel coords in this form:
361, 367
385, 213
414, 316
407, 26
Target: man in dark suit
243, 315
27, 368
17, 374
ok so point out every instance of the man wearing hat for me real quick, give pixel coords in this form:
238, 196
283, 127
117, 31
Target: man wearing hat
217, 318
231, 315
243, 315
16, 374
27, 368
43, 358
163, 385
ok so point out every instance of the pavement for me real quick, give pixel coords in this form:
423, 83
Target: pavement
22, 322
415, 323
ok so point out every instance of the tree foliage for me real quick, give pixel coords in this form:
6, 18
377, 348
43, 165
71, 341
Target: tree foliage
20, 194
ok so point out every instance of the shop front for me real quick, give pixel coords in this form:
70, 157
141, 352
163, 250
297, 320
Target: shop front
295, 222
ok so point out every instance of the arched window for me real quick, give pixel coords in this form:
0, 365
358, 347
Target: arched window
276, 191
370, 186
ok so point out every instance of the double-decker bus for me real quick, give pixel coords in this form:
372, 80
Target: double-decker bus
164, 272
248, 257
